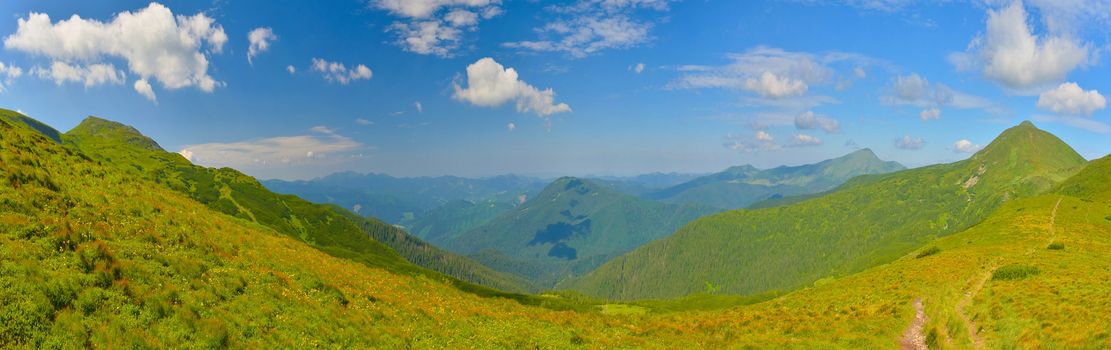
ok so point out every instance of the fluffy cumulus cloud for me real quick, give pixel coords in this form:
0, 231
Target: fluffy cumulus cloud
637, 68
259, 39
489, 84
1011, 54
155, 44
321, 144
932, 113
291, 69
142, 86
809, 121
418, 106
915, 90
586, 27
8, 74
965, 146
436, 27
510, 127
1070, 99
339, 73
909, 143
770, 85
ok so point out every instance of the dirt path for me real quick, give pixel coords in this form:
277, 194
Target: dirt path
973, 331
913, 338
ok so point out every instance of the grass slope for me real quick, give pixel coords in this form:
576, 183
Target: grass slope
741, 186
328, 228
570, 228
869, 222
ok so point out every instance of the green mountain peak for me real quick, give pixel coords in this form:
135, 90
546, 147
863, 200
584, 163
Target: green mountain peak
107, 130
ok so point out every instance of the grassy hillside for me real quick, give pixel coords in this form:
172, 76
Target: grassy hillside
226, 190
571, 227
861, 225
741, 186
92, 256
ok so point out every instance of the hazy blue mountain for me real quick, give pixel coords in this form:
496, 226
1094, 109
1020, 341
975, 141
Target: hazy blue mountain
571, 227
741, 186
396, 199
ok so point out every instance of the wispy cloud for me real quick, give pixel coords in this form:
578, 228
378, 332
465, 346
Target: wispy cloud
264, 153
590, 26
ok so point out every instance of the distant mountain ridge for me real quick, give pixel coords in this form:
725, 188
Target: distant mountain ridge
741, 186
869, 221
570, 227
397, 199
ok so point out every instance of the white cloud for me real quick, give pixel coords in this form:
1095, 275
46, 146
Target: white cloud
510, 127
966, 146
909, 143
187, 154
93, 75
1085, 123
761, 141
363, 121
338, 72
291, 69
427, 8
589, 26
461, 18
436, 27
268, 152
156, 44
770, 85
809, 120
259, 39
1070, 99
9, 73
932, 113
778, 78
637, 68
805, 140
917, 91
143, 88
860, 73
489, 84
322, 129
764, 136
1012, 55
420, 108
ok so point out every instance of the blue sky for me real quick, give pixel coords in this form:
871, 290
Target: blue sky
613, 87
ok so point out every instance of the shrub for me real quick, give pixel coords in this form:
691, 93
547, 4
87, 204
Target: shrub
1056, 246
1014, 272
927, 252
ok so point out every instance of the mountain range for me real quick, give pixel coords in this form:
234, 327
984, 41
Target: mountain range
741, 186
106, 242
569, 228
869, 221
395, 199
